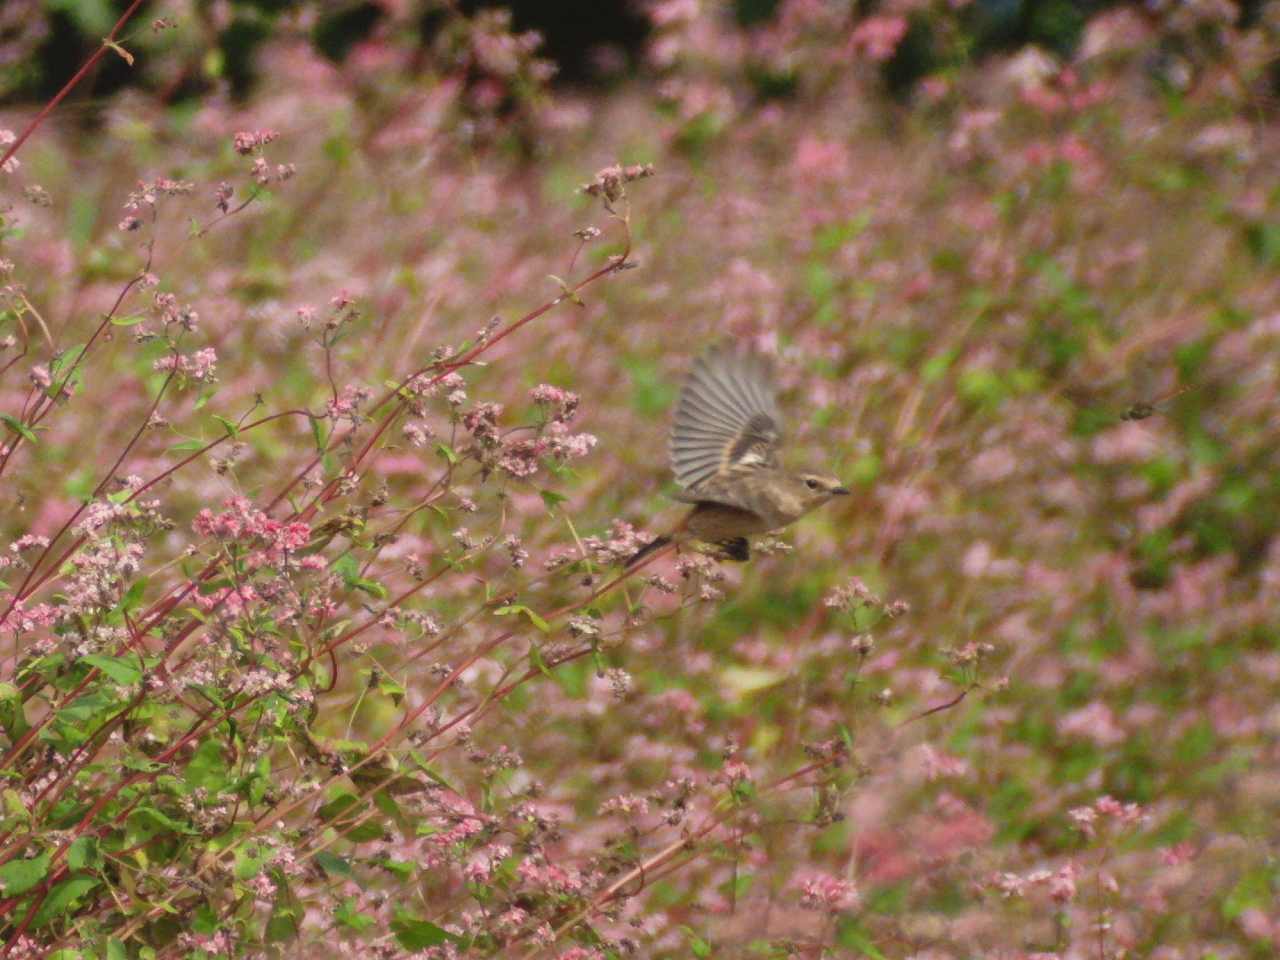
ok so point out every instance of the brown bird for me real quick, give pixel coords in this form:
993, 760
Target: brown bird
724, 445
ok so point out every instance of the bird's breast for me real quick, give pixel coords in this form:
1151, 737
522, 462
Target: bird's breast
779, 506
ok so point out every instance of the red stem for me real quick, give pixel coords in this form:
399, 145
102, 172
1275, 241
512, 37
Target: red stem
70, 84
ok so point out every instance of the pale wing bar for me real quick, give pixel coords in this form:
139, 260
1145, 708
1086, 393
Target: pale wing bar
726, 416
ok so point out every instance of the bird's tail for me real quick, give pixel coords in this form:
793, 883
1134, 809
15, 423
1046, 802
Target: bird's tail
655, 544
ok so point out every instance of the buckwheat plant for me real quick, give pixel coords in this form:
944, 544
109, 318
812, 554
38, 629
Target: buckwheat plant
170, 788
331, 407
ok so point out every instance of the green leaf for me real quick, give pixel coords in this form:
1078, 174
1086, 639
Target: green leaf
697, 946
371, 587
446, 451
205, 396
61, 365
12, 717
415, 934
205, 920
333, 864
83, 853
133, 597
15, 809
1263, 240
19, 876
78, 719
317, 433
551, 499
346, 809
389, 688
188, 446
125, 671
287, 911
347, 915
128, 321
17, 426
348, 568
232, 428
851, 934
535, 656
116, 950
207, 768
153, 818
249, 861
536, 620
567, 291
1253, 890
64, 897
431, 775
403, 869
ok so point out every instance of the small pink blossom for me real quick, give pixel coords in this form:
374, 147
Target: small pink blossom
199, 366
559, 404
1095, 721
877, 37
246, 142
939, 764
28, 541
1062, 886
828, 893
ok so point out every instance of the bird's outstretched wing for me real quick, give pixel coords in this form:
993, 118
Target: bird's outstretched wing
726, 421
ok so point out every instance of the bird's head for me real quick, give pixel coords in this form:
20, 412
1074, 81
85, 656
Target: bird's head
815, 489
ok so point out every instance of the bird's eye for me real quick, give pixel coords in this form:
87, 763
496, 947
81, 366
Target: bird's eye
811, 483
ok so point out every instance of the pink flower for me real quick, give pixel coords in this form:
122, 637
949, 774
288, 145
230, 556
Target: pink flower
1178, 854
1258, 926
1084, 818
938, 764
828, 893
560, 405
878, 37
581, 953
199, 366
28, 541
549, 877
246, 142
627, 805
348, 402
1062, 887
820, 161
1096, 722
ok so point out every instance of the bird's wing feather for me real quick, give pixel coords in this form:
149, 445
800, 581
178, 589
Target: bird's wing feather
726, 420
733, 489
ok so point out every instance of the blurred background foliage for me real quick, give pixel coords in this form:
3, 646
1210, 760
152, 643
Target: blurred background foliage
591, 44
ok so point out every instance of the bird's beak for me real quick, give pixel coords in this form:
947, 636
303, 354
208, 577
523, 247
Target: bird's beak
842, 491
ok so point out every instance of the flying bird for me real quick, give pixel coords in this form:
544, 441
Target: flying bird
724, 453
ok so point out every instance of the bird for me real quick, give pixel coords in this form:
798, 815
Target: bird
723, 446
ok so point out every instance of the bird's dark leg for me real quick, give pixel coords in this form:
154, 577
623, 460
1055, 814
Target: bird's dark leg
735, 548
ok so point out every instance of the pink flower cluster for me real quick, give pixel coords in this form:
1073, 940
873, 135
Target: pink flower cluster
521, 456
559, 405
1105, 809
829, 894
199, 366
243, 523
877, 37
1060, 884
246, 142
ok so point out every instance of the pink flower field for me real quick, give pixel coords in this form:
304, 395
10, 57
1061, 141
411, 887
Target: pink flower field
333, 403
